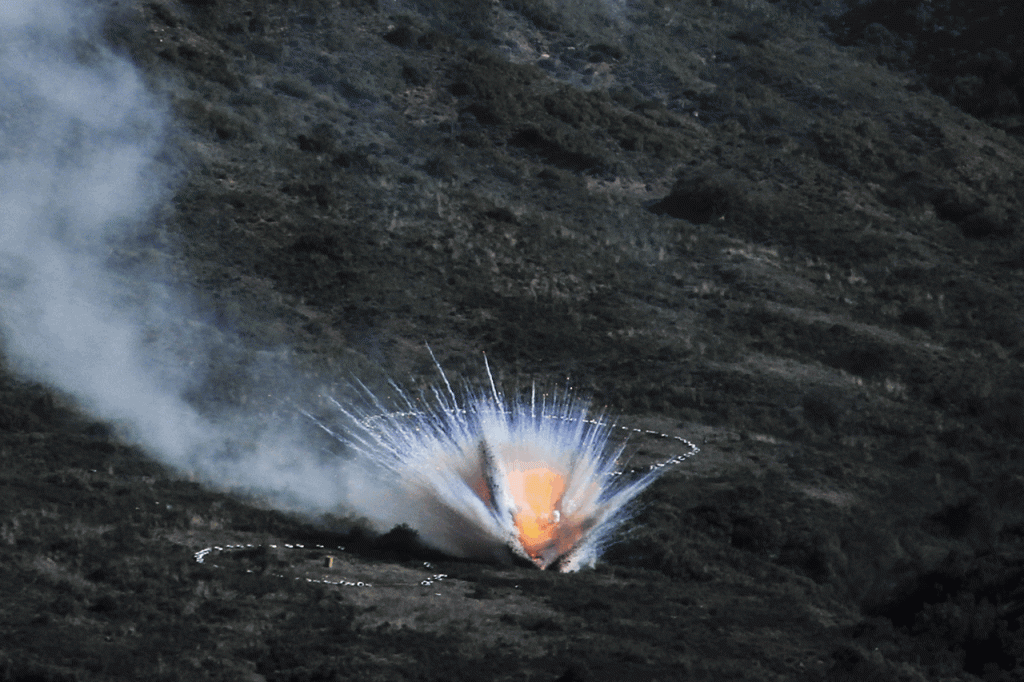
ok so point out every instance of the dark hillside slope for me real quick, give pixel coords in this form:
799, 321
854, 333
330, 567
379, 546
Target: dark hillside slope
971, 53
710, 215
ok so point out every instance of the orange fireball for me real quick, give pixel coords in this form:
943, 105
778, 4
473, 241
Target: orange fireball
538, 493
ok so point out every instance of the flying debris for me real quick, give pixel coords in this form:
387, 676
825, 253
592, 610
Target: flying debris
533, 480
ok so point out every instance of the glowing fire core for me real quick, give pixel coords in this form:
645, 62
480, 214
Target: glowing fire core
538, 495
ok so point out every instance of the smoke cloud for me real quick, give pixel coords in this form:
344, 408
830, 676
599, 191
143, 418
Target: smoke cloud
78, 181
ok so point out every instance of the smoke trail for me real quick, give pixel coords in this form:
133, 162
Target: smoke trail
77, 140
78, 135
78, 183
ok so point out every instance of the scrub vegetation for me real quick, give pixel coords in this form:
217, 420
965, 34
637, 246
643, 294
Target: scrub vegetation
789, 231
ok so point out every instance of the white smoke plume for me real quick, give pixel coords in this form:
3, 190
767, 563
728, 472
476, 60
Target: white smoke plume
78, 135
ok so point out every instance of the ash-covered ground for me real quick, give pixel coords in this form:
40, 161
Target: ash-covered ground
791, 232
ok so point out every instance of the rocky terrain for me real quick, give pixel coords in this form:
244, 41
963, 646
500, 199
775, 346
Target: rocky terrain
789, 231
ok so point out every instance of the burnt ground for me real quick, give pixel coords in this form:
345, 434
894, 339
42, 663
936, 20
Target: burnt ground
790, 234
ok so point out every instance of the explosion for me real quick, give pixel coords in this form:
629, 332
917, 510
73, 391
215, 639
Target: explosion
536, 480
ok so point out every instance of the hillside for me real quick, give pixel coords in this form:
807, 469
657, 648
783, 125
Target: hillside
774, 229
